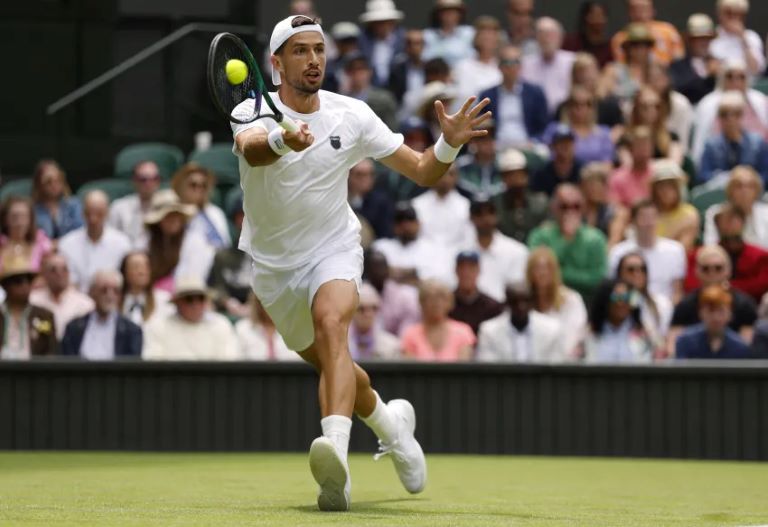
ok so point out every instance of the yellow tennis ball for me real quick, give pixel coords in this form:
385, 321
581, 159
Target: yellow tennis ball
236, 71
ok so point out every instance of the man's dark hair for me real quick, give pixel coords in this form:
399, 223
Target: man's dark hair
436, 68
640, 205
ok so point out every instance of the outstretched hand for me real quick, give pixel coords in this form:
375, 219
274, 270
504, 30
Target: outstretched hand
459, 128
299, 140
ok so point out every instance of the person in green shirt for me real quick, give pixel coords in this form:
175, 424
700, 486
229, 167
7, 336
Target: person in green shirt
581, 250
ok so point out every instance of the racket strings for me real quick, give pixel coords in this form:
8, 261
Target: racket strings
227, 95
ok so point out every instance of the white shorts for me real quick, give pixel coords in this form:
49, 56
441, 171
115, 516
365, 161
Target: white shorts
287, 295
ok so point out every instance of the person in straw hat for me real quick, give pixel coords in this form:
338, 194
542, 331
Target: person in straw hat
382, 39
695, 75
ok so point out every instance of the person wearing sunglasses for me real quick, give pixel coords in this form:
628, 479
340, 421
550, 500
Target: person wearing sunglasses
734, 40
695, 75
367, 339
126, 214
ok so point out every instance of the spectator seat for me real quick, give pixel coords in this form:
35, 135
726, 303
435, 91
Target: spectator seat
16, 187
220, 159
114, 187
168, 158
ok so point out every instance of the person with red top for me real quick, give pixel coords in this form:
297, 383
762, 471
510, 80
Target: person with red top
631, 183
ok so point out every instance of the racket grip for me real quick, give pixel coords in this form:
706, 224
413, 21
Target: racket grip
288, 124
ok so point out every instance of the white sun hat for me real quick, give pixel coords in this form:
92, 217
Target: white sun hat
379, 11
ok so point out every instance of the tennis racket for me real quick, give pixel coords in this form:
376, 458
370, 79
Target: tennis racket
227, 96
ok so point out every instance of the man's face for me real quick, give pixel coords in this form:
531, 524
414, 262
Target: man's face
735, 80
509, 64
467, 273
731, 19
406, 230
365, 316
487, 40
699, 46
448, 182
146, 179
743, 192
520, 15
564, 149
414, 44
106, 294
191, 308
484, 146
646, 219
549, 39
515, 179
712, 269
95, 214
18, 288
642, 150
302, 60
640, 10
519, 303
361, 178
359, 75
730, 227
485, 221
568, 203
730, 120
715, 317
56, 273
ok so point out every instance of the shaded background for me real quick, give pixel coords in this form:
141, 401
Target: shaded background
51, 47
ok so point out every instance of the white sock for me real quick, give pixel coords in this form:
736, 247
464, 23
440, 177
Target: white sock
382, 422
337, 429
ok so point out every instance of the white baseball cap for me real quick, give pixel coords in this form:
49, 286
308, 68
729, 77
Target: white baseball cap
283, 31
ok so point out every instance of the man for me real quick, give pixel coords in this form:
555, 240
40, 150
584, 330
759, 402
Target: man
522, 335
435, 70
520, 25
520, 210
103, 334
96, 246
712, 339
58, 296
367, 340
629, 184
126, 214
734, 41
399, 305
407, 71
470, 305
26, 331
372, 204
563, 167
669, 43
520, 108
551, 67
358, 74
502, 259
382, 39
666, 259
580, 249
192, 333
444, 213
481, 72
695, 75
305, 245
346, 37
478, 173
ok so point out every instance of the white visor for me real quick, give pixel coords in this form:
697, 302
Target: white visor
282, 32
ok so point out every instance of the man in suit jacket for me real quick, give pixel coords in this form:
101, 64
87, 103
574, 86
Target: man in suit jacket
25, 330
521, 334
103, 334
519, 108
407, 71
695, 75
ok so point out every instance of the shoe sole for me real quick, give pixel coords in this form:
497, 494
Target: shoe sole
330, 473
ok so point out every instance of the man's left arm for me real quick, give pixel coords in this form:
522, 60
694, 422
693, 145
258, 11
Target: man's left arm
427, 168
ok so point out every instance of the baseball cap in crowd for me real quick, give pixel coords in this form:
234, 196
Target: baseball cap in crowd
285, 29
562, 131
467, 256
700, 25
345, 31
511, 159
404, 211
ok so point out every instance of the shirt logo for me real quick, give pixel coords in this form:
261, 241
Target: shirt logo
335, 142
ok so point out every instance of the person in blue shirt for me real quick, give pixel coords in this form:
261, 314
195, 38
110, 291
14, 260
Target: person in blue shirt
712, 338
57, 212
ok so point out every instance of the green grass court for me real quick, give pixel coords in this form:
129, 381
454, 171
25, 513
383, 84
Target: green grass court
80, 489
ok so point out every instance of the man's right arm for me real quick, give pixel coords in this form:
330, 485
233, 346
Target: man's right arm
254, 144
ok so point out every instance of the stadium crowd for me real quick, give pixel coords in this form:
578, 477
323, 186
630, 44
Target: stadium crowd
614, 212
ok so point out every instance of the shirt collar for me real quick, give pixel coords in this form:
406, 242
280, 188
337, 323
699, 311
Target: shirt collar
516, 90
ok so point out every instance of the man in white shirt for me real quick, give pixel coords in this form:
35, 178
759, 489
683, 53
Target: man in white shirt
666, 259
95, 246
734, 41
502, 259
58, 296
478, 73
126, 214
551, 67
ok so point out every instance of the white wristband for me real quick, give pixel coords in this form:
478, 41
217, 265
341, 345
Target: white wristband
444, 152
276, 143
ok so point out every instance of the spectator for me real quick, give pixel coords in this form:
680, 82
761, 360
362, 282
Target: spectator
520, 26
173, 250
411, 256
103, 334
96, 246
713, 267
26, 331
590, 35
502, 259
580, 249
19, 233
366, 201
435, 70
519, 209
586, 73
734, 145
551, 67
478, 173
437, 338
399, 305
734, 41
712, 339
58, 296
56, 211
743, 191
194, 184
593, 141
695, 74
359, 86
649, 110
193, 332
444, 213
449, 37
346, 37
434, 91
678, 220
480, 72
258, 337
520, 108
669, 43
550, 297
367, 340
407, 72
624, 78
126, 214
618, 334
675, 106
139, 300
382, 39
598, 211
760, 342
631, 183
655, 309
470, 305
521, 335
563, 167
667, 261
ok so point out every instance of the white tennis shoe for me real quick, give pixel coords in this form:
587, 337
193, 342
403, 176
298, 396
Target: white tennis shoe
332, 475
405, 451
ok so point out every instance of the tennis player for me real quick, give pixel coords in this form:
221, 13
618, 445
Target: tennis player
305, 241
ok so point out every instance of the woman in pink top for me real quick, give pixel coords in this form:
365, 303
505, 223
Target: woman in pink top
19, 234
437, 337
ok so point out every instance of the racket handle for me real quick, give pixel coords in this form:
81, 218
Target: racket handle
288, 124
